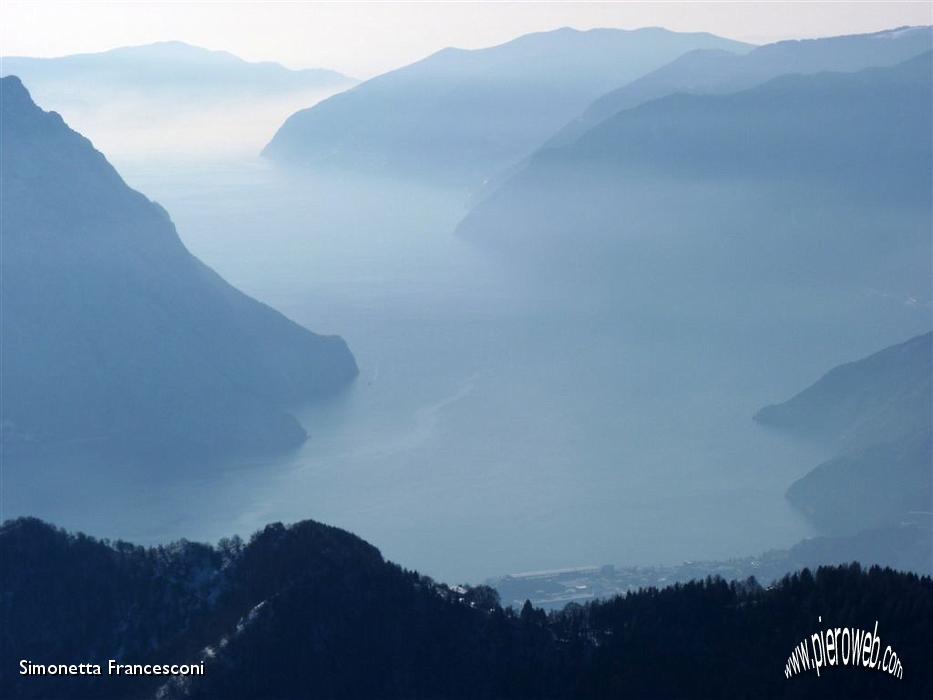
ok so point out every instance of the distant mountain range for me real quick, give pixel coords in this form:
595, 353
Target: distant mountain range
879, 412
171, 97
459, 115
717, 71
803, 180
310, 611
113, 332
711, 71
171, 67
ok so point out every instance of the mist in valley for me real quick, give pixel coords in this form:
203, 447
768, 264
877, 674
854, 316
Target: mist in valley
596, 362
560, 353
172, 101
502, 420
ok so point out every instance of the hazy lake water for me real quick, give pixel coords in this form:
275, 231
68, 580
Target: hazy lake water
499, 423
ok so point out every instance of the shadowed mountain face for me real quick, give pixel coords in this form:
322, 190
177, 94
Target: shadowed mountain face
876, 399
172, 98
312, 611
112, 330
805, 180
707, 71
883, 484
880, 410
460, 115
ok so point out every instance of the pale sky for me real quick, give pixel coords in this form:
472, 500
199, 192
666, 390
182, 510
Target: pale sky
366, 38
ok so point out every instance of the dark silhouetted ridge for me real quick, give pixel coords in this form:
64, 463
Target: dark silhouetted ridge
312, 611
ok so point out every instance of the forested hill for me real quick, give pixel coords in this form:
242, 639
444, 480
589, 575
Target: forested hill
310, 611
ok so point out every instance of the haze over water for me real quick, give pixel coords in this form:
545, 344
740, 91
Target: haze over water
500, 423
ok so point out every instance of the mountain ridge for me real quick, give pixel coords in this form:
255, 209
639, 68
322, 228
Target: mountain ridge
318, 604
168, 50
113, 329
171, 98
836, 159
878, 411
720, 71
457, 113
710, 71
885, 395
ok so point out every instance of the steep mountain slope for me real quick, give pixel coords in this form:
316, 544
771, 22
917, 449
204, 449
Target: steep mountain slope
875, 399
459, 115
880, 411
803, 180
113, 331
312, 611
708, 71
171, 98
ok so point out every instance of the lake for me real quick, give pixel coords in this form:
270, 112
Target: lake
502, 422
